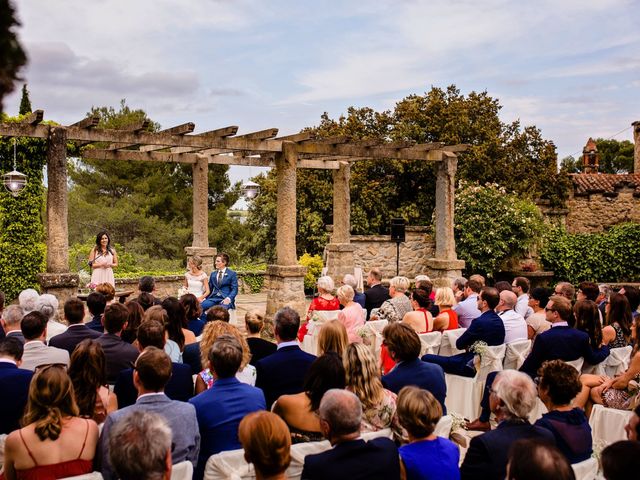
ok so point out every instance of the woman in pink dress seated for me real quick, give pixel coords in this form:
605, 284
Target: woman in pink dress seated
55, 443
352, 315
102, 260
324, 301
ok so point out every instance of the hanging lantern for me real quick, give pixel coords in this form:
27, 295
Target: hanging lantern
14, 181
250, 190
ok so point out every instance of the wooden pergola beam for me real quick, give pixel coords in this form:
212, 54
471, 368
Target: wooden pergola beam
177, 130
260, 135
296, 137
34, 118
89, 122
136, 155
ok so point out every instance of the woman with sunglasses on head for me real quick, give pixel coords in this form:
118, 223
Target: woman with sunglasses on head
55, 442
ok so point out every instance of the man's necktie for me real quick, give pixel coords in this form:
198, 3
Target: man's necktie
219, 277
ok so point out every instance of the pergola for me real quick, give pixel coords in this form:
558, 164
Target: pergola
222, 146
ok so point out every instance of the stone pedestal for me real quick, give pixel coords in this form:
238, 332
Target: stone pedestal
208, 255
57, 210
62, 285
442, 271
340, 260
285, 288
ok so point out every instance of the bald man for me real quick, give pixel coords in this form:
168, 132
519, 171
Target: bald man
515, 327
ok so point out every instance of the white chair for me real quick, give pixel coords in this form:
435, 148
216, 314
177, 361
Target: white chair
616, 363
3, 438
310, 341
577, 364
430, 342
516, 353
443, 427
607, 424
536, 413
376, 326
448, 345
182, 471
229, 465
586, 470
464, 393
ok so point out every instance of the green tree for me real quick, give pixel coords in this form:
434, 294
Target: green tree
518, 159
570, 165
25, 103
615, 156
147, 207
12, 56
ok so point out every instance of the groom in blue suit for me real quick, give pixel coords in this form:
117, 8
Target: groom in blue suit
223, 286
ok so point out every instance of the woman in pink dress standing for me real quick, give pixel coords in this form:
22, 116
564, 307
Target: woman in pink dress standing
102, 259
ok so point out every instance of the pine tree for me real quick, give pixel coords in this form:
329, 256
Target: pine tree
25, 103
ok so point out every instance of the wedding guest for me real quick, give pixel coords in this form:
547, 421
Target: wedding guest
300, 410
426, 455
266, 442
352, 315
259, 347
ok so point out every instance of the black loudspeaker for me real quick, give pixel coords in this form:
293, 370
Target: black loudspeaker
397, 230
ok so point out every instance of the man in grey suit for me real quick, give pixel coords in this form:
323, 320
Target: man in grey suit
11, 318
36, 353
151, 374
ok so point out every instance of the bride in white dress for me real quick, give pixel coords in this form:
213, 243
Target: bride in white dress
196, 281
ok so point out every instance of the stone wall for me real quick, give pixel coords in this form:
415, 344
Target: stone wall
597, 212
379, 251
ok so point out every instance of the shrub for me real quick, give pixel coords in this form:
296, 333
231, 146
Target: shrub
611, 256
493, 226
314, 269
22, 248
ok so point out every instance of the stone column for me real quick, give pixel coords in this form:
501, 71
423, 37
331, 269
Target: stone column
200, 244
445, 264
285, 279
636, 150
58, 280
340, 251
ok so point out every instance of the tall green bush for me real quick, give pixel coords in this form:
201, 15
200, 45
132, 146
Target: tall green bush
22, 248
611, 256
493, 226
314, 269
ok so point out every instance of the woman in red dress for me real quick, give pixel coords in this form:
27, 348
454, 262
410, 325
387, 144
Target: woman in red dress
324, 301
447, 319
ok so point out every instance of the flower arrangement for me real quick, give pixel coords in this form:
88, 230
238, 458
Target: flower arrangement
366, 334
479, 348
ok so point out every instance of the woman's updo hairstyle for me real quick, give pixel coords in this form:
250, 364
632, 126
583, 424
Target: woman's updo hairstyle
51, 398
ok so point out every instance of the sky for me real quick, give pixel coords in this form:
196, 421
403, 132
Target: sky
570, 67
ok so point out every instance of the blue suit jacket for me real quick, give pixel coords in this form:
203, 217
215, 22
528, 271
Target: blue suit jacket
353, 460
427, 376
282, 372
179, 387
562, 343
69, 339
219, 411
14, 385
181, 418
228, 287
488, 453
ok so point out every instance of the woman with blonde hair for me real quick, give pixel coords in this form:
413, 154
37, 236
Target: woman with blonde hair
426, 455
266, 441
108, 291
55, 442
260, 348
324, 301
196, 281
398, 305
363, 379
447, 319
212, 330
352, 315
333, 337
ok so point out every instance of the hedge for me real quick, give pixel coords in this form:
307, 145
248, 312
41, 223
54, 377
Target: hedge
611, 256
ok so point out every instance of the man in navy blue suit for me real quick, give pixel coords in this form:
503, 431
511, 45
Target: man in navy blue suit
404, 346
351, 457
221, 408
560, 342
282, 372
223, 286
14, 384
488, 327
513, 396
77, 331
179, 386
